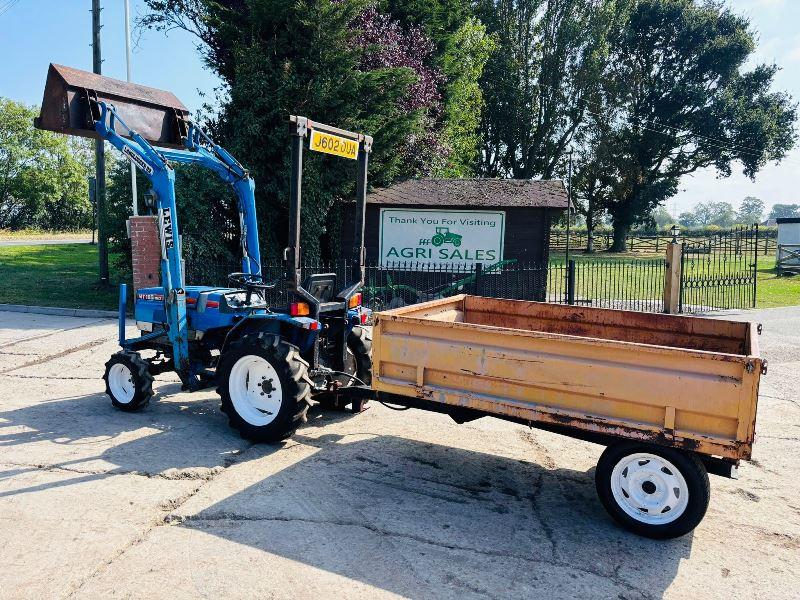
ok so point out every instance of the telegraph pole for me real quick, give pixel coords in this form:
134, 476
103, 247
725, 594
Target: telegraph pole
100, 155
128, 66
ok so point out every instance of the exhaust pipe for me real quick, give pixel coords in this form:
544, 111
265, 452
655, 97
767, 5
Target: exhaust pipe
70, 106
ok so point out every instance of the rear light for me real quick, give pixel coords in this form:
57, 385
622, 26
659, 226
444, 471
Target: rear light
354, 301
299, 309
212, 304
363, 318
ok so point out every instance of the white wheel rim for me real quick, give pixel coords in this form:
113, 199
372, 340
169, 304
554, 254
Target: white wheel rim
649, 488
255, 390
120, 381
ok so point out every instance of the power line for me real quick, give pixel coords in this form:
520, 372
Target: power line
8, 6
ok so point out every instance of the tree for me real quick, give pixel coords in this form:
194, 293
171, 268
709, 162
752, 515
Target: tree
539, 82
688, 219
751, 211
43, 175
337, 61
462, 48
721, 214
682, 101
662, 217
465, 56
783, 211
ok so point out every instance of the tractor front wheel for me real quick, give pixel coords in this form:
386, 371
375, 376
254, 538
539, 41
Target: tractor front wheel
129, 383
264, 386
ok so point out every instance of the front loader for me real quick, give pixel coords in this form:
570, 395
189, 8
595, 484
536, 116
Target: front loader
267, 362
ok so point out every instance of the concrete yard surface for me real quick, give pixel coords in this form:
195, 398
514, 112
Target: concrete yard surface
170, 502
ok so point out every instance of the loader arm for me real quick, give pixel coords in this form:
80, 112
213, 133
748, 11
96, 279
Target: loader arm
202, 151
154, 165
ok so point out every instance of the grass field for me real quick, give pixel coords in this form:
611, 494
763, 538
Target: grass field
58, 275
642, 282
66, 275
41, 234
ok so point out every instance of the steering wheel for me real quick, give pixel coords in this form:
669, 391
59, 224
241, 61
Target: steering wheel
250, 282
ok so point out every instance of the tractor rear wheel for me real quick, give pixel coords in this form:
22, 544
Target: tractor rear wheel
129, 383
359, 346
264, 386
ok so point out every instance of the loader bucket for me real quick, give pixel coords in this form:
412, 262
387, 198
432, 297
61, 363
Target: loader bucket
156, 115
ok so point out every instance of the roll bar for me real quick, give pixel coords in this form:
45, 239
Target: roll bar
299, 129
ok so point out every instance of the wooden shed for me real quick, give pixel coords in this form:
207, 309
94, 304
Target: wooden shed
458, 221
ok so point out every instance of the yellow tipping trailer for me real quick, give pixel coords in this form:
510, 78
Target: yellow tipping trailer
669, 395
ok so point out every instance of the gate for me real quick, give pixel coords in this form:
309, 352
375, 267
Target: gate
720, 272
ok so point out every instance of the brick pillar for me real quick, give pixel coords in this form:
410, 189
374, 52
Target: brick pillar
145, 251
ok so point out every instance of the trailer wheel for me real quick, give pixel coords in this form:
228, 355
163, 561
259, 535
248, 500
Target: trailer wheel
654, 491
264, 387
129, 383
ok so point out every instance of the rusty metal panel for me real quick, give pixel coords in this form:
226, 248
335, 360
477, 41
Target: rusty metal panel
679, 393
155, 114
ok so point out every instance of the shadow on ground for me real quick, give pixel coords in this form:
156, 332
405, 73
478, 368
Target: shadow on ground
413, 518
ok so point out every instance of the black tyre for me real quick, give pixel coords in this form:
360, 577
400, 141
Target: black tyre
358, 363
359, 344
129, 383
264, 386
654, 491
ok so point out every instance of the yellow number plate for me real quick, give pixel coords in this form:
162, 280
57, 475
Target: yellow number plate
333, 144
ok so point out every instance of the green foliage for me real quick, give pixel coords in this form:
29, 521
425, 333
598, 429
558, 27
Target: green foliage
662, 218
751, 211
43, 176
782, 211
645, 91
279, 58
539, 82
463, 61
440, 19
208, 228
678, 99
721, 214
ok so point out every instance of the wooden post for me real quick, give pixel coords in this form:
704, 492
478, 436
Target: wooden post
672, 278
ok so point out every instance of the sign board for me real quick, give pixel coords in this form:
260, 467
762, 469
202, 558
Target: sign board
458, 239
333, 144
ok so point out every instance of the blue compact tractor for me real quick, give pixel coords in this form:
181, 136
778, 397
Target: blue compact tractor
267, 362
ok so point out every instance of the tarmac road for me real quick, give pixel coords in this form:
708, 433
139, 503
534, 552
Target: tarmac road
96, 503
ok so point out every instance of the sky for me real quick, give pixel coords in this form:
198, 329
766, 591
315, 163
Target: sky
34, 33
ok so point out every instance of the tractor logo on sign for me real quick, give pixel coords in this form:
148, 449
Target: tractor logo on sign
443, 235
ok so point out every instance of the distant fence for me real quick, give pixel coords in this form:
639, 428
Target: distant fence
653, 243
631, 284
717, 272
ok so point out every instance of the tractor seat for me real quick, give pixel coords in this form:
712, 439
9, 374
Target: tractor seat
322, 286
